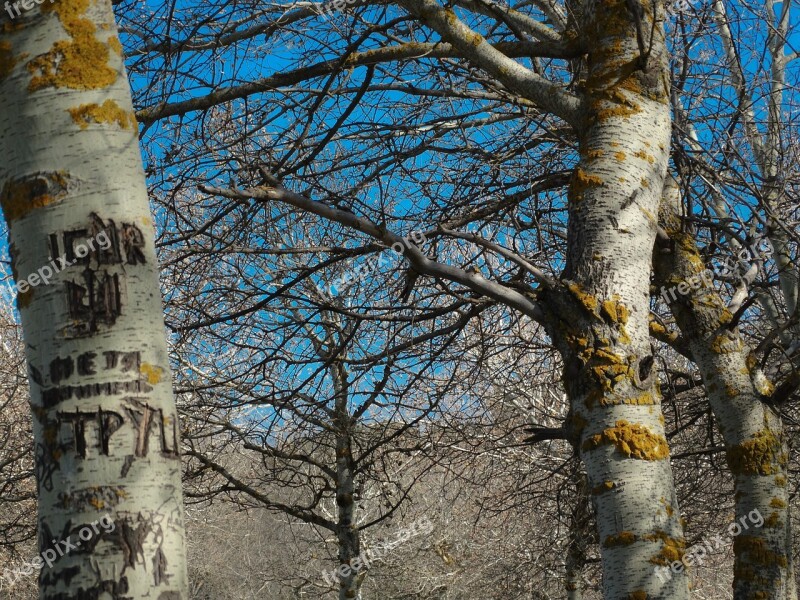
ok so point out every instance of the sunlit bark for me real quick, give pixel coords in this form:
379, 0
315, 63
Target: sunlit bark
82, 242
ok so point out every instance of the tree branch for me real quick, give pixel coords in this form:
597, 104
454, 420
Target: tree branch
421, 263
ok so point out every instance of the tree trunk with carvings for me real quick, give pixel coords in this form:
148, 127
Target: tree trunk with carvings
82, 245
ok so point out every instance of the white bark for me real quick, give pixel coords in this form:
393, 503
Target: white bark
105, 424
755, 443
601, 325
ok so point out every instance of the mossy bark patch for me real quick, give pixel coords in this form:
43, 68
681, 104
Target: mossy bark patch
22, 195
80, 63
632, 440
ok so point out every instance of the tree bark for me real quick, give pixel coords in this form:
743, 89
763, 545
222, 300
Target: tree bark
600, 324
347, 534
737, 390
83, 255
578, 539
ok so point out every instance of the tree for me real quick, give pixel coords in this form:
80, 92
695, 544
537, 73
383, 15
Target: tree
110, 514
594, 312
493, 109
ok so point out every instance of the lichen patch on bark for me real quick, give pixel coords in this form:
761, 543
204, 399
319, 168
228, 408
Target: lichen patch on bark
22, 195
80, 63
761, 455
672, 549
152, 373
757, 551
632, 440
115, 45
108, 113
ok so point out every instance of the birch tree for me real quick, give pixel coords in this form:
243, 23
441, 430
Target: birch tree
81, 237
734, 320
478, 116
756, 447
593, 311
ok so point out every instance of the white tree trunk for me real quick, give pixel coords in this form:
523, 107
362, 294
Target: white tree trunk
755, 443
82, 245
601, 325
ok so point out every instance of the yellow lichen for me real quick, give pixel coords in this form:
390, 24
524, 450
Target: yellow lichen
773, 521
780, 481
777, 503
588, 301
582, 181
23, 195
80, 63
115, 45
624, 538
107, 113
761, 455
12, 26
619, 155
764, 386
632, 440
725, 344
643, 399
657, 329
615, 311
672, 549
606, 486
638, 595
152, 373
757, 551
7, 60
